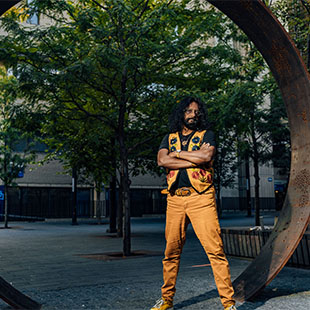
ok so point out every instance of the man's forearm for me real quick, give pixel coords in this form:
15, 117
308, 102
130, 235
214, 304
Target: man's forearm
185, 159
175, 163
196, 157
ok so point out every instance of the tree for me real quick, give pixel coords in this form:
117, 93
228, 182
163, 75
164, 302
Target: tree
116, 62
263, 125
223, 116
82, 144
11, 162
295, 15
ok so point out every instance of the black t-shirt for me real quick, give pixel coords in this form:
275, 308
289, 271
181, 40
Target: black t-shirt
182, 180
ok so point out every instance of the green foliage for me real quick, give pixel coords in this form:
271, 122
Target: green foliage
104, 70
101, 78
11, 162
249, 117
277, 128
295, 15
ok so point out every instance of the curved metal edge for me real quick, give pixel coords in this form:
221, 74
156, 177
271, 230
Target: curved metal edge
6, 5
281, 58
286, 64
8, 293
15, 298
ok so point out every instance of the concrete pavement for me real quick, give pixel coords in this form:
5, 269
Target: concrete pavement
44, 261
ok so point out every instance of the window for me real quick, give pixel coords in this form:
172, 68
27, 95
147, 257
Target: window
33, 18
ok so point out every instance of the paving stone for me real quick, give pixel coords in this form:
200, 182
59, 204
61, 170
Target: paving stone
41, 260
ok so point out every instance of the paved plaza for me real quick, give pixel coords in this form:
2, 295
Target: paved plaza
52, 263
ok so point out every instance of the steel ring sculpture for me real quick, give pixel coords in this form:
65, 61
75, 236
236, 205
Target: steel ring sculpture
284, 60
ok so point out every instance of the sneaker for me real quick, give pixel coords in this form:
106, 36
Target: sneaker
231, 308
162, 304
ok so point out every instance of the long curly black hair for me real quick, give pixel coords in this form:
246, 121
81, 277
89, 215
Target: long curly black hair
176, 119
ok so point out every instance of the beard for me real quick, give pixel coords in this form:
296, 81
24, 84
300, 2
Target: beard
193, 125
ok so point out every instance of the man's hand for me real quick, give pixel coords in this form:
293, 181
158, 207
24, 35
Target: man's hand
205, 146
185, 159
173, 154
171, 161
199, 157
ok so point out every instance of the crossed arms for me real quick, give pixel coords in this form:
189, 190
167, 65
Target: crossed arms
185, 159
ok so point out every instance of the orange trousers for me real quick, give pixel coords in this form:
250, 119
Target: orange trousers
201, 211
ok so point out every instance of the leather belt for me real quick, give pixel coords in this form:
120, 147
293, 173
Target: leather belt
184, 191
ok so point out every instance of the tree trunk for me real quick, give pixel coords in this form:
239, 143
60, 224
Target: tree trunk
256, 178
124, 171
124, 180
248, 186
74, 196
98, 202
257, 202
120, 212
126, 222
255, 158
112, 201
112, 205
6, 207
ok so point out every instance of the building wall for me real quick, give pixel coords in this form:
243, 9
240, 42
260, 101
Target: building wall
42, 184
45, 191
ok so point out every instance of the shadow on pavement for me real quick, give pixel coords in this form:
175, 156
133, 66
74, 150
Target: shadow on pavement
267, 294
197, 299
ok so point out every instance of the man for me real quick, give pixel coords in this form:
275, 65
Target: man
187, 154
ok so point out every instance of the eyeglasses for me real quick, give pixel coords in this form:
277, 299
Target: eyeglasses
190, 111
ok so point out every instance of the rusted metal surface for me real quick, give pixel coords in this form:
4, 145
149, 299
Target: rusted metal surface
6, 4
284, 61
15, 298
257, 21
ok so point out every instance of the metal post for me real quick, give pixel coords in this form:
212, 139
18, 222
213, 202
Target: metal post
248, 187
74, 196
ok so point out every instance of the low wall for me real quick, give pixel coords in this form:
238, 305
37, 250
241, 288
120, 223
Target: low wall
247, 243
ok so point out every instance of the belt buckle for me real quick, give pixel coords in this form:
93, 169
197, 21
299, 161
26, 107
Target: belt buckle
185, 191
